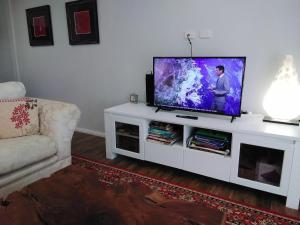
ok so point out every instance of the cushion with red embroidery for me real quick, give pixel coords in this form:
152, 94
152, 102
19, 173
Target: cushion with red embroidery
18, 117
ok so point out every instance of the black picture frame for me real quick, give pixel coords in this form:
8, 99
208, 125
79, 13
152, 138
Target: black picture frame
82, 20
39, 26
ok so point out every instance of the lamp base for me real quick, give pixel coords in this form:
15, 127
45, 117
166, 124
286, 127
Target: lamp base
281, 121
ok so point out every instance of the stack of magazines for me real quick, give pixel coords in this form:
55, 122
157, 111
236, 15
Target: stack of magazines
164, 133
209, 140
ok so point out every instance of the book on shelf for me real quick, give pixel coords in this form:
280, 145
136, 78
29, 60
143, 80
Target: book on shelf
163, 133
161, 141
211, 134
161, 126
214, 144
209, 140
161, 137
202, 148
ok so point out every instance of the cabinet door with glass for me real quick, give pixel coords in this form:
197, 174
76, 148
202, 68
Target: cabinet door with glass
128, 137
263, 163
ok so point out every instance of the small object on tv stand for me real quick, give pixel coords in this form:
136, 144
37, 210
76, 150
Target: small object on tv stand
187, 117
134, 98
281, 121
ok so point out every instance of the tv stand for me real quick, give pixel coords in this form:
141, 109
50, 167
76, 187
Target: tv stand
257, 151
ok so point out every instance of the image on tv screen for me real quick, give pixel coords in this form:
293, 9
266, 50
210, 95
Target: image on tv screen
207, 84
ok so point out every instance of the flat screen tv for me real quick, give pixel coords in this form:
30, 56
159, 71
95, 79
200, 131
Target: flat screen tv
203, 84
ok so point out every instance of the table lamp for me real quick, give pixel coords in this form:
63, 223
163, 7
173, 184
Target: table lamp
282, 100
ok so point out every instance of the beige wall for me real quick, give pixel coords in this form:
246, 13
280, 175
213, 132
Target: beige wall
7, 67
133, 31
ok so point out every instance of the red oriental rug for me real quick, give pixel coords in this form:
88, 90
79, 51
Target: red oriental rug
236, 213
81, 195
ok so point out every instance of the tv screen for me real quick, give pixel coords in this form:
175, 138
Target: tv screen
204, 84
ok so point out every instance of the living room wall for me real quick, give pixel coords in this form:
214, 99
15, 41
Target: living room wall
133, 31
7, 68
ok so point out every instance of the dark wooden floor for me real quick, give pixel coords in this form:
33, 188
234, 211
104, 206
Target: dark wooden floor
93, 147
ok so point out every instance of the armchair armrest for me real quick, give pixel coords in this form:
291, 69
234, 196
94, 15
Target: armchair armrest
58, 120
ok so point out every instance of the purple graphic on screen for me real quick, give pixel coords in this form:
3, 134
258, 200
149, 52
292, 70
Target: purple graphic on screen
187, 83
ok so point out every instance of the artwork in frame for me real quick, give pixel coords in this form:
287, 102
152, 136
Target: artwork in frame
39, 26
82, 19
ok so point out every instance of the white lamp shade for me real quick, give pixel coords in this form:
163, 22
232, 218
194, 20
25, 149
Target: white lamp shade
282, 100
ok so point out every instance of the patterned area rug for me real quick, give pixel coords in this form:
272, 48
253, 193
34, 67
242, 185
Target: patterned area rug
235, 213
81, 195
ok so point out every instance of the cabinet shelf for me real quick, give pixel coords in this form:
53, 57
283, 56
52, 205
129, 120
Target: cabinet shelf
127, 135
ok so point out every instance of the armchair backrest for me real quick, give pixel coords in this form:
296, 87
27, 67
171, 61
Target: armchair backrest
12, 90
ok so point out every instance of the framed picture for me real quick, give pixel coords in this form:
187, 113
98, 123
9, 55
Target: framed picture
82, 18
39, 26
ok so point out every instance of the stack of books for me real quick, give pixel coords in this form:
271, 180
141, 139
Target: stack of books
209, 140
164, 133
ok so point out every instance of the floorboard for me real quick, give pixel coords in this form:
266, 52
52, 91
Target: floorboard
93, 147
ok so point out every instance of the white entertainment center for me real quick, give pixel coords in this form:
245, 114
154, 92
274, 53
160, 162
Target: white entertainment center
126, 130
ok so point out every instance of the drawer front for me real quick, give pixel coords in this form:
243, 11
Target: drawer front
207, 164
169, 155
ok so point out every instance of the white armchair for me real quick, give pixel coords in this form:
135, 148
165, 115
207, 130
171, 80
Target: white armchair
58, 120
26, 159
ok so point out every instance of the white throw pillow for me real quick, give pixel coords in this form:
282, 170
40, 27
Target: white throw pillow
12, 90
18, 117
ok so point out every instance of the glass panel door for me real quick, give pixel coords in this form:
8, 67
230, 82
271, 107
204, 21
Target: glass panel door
127, 137
260, 164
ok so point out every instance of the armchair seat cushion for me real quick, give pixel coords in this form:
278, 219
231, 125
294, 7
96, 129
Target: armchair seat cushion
16, 153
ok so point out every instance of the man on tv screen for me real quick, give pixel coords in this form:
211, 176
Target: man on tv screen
220, 90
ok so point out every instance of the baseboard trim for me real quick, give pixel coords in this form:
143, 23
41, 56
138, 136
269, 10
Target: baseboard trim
91, 132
